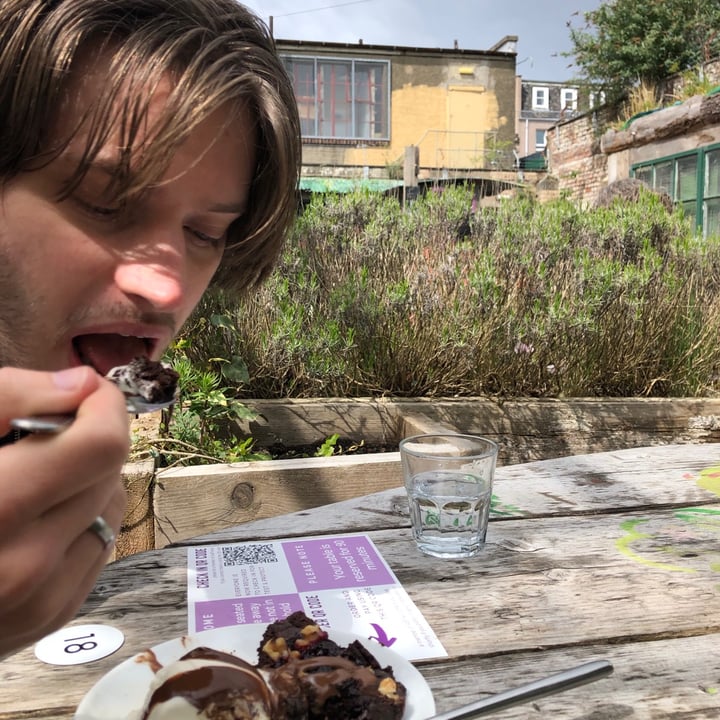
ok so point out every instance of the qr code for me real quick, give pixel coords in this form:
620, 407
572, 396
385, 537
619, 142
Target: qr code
248, 554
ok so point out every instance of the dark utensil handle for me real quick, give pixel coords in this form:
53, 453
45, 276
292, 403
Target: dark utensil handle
580, 675
42, 423
49, 424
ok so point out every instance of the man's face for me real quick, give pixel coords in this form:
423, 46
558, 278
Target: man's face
81, 283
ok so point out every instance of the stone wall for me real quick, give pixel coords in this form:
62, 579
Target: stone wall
676, 129
574, 156
675, 85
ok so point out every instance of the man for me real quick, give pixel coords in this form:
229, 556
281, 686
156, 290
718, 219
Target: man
147, 149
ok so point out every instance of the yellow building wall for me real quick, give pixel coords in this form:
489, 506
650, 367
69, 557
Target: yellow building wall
456, 111
414, 110
450, 126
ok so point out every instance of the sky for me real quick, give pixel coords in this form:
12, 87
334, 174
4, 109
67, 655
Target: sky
541, 26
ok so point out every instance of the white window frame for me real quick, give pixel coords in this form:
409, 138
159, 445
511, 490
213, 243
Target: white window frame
537, 103
596, 99
568, 99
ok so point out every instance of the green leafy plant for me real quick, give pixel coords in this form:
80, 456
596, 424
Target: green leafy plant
693, 82
394, 169
327, 449
626, 42
195, 430
432, 300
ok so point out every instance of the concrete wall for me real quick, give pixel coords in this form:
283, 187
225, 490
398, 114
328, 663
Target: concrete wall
673, 130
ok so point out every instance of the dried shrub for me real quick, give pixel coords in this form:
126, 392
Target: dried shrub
526, 299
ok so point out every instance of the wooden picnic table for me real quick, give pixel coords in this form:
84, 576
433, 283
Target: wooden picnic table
613, 555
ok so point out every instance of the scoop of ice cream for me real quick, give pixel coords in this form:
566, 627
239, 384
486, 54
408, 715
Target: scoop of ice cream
207, 684
154, 382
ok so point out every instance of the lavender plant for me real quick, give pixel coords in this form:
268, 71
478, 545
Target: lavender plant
440, 299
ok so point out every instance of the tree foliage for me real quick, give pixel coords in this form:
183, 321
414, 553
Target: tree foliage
627, 42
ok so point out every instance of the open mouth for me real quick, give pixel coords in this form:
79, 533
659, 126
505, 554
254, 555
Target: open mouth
104, 351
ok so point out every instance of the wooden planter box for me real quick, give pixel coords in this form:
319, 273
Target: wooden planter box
178, 503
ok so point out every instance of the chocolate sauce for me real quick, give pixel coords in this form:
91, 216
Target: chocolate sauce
150, 659
326, 676
214, 683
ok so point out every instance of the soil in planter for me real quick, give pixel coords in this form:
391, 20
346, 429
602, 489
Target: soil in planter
344, 446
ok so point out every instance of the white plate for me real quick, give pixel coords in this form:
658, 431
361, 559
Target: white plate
120, 694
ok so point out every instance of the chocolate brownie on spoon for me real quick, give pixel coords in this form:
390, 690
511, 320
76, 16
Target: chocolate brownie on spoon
148, 386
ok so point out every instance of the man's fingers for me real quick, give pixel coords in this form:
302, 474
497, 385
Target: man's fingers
29, 392
32, 555
40, 472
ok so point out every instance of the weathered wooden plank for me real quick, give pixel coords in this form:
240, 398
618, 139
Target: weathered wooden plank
200, 500
586, 566
549, 428
138, 529
540, 584
678, 678
637, 582
305, 421
526, 429
190, 502
543, 581
550, 582
416, 423
195, 500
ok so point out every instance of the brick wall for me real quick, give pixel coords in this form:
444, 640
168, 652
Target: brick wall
574, 156
573, 147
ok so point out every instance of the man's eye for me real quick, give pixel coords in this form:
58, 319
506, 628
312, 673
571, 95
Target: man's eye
104, 211
205, 239
99, 211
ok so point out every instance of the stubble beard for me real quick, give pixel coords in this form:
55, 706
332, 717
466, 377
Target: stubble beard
16, 309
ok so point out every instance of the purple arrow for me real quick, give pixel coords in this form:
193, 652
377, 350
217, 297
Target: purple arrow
381, 636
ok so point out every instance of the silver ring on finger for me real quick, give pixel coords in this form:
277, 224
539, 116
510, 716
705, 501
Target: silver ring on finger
103, 531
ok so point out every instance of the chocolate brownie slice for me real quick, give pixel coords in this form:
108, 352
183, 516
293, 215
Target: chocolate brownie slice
313, 677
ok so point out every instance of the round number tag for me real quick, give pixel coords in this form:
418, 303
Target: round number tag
77, 644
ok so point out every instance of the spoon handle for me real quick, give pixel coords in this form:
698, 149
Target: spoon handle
50, 424
42, 423
566, 680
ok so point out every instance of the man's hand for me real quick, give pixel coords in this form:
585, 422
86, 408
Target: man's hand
52, 487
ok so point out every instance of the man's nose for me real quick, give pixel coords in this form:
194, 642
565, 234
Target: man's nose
158, 283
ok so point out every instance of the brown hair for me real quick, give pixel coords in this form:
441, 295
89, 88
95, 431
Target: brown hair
216, 51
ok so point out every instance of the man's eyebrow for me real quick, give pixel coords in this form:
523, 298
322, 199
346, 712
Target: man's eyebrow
229, 208
106, 165
110, 167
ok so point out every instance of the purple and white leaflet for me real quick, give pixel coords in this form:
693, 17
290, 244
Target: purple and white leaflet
341, 581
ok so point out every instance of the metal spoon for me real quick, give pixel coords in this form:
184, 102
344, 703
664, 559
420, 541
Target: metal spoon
140, 375
57, 423
580, 675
